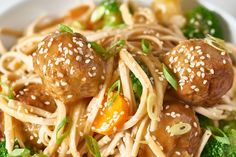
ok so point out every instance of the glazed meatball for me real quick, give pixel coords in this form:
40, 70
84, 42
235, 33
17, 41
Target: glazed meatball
185, 144
34, 95
69, 68
204, 73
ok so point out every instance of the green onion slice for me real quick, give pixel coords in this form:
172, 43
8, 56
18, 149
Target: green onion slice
64, 28
61, 125
6, 92
105, 54
21, 152
111, 97
39, 155
97, 14
169, 77
217, 43
99, 49
219, 135
92, 146
180, 128
146, 46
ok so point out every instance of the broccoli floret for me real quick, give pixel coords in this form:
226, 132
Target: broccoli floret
214, 148
200, 22
3, 150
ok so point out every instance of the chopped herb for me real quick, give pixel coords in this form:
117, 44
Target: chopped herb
62, 124
21, 152
107, 53
137, 87
64, 28
6, 92
217, 43
97, 14
111, 96
92, 146
146, 46
169, 77
99, 49
39, 155
180, 128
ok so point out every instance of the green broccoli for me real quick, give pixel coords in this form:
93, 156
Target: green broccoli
200, 22
3, 150
214, 148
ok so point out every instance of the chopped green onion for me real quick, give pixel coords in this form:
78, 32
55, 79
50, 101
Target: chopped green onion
21, 152
152, 98
98, 49
64, 28
217, 43
180, 129
169, 77
39, 155
92, 146
6, 92
105, 54
146, 46
111, 97
219, 135
61, 125
97, 14
137, 87
119, 43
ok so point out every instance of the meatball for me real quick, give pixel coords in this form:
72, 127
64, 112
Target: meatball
34, 95
69, 68
204, 73
185, 144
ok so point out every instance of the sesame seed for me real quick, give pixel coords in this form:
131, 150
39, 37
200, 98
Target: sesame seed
87, 61
186, 106
47, 102
94, 68
212, 71
69, 44
197, 47
67, 61
33, 97
224, 61
63, 83
193, 87
205, 81
78, 58
83, 79
69, 96
177, 153
195, 124
222, 53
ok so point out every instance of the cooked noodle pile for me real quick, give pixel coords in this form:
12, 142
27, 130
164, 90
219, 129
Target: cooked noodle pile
17, 71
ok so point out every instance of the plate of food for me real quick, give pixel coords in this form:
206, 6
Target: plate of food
117, 78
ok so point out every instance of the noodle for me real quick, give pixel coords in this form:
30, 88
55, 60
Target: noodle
17, 71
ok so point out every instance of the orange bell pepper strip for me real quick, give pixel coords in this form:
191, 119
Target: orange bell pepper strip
111, 118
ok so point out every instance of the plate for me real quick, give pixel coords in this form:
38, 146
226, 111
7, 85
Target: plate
20, 13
